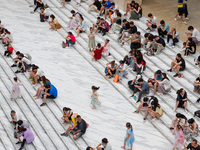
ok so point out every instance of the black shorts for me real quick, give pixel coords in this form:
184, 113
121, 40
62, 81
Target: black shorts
154, 26
199, 58
39, 79
51, 96
182, 69
145, 105
181, 11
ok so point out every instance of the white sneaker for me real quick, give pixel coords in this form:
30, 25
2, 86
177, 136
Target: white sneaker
173, 47
179, 16
185, 22
187, 18
175, 19
174, 109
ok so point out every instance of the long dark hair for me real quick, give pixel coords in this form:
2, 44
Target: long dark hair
52, 16
179, 115
44, 79
95, 88
7, 32
179, 91
128, 124
165, 76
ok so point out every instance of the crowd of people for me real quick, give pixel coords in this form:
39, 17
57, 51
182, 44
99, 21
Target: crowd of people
110, 20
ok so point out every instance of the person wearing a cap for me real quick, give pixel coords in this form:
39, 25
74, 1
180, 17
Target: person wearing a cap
50, 92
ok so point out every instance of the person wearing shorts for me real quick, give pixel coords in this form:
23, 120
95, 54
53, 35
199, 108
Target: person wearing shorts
50, 92
78, 129
152, 22
178, 64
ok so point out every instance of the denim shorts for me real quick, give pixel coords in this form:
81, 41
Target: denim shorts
77, 134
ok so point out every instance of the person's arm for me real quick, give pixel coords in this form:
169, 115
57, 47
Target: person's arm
157, 43
137, 11
127, 137
91, 5
194, 129
98, 146
155, 76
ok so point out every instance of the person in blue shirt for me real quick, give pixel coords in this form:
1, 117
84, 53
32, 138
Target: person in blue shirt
142, 88
49, 92
158, 75
105, 6
163, 29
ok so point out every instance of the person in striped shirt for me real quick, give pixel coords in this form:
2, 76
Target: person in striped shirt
103, 27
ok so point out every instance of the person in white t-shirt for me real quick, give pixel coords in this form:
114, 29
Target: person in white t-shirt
195, 34
121, 70
15, 117
24, 63
105, 145
152, 23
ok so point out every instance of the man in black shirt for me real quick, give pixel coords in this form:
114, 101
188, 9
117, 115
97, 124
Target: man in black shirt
129, 32
78, 129
158, 44
125, 26
95, 6
178, 64
193, 145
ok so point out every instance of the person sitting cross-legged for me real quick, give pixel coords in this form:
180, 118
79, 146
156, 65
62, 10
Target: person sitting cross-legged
178, 63
78, 129
142, 88
50, 92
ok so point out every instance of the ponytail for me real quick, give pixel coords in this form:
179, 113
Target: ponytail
95, 88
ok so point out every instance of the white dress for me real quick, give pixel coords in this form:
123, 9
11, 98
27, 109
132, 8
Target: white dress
16, 89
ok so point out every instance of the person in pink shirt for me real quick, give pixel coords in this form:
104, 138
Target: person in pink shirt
179, 140
70, 39
9, 50
27, 137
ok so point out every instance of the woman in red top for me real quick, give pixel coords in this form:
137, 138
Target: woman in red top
9, 50
97, 53
70, 39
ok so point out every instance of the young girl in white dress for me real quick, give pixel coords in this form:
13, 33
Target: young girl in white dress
15, 89
94, 97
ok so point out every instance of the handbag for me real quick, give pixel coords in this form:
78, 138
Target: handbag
58, 26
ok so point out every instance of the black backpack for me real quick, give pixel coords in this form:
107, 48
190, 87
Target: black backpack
197, 113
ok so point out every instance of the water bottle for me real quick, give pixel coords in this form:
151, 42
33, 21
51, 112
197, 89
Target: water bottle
15, 134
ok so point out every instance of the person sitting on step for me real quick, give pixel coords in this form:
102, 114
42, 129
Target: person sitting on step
192, 129
49, 92
9, 51
45, 81
24, 63
70, 39
178, 63
67, 114
142, 88
78, 129
181, 100
155, 110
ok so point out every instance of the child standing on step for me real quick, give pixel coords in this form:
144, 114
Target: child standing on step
94, 97
15, 89
91, 41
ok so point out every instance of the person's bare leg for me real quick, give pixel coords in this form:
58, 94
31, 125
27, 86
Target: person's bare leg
177, 69
78, 32
183, 17
172, 65
45, 98
155, 88
63, 3
176, 15
177, 103
106, 12
146, 112
140, 106
69, 129
185, 106
150, 26
123, 35
101, 10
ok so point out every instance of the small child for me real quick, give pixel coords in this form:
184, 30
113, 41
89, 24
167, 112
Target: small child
91, 42
15, 90
9, 50
94, 97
